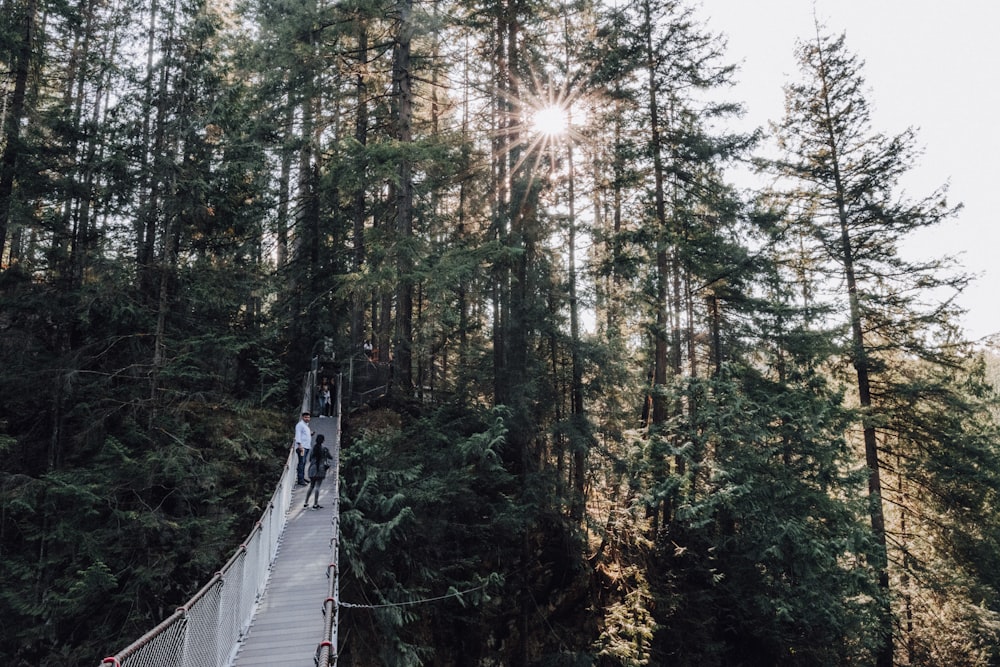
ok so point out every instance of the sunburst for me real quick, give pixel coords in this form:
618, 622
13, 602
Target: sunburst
547, 121
550, 121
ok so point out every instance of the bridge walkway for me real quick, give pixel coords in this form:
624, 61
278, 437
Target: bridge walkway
289, 619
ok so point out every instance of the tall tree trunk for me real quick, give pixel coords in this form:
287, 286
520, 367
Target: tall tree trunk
580, 446
522, 212
307, 210
162, 159
151, 162
860, 356
660, 349
304, 283
403, 83
862, 367
614, 311
284, 185
77, 205
358, 330
463, 300
499, 195
663, 266
15, 118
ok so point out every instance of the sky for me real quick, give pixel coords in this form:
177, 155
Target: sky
930, 65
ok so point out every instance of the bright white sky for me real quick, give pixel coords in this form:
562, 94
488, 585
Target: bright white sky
930, 65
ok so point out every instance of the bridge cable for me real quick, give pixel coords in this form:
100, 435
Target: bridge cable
351, 605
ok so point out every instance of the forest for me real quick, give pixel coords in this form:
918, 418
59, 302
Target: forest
649, 416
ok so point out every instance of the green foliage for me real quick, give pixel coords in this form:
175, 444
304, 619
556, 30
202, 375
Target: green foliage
427, 522
763, 563
630, 626
145, 519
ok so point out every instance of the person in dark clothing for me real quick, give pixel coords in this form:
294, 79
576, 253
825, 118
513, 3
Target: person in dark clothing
318, 466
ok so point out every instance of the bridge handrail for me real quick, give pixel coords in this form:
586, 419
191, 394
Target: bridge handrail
207, 629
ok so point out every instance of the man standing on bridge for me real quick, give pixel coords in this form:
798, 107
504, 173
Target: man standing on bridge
303, 441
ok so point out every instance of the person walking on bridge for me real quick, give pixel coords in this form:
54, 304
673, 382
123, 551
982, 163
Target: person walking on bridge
318, 468
302, 444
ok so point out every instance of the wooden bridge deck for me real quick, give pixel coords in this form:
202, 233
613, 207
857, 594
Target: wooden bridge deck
288, 625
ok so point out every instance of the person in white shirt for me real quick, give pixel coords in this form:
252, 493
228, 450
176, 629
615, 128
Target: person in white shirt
302, 444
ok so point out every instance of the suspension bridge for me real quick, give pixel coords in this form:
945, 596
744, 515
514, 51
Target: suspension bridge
276, 601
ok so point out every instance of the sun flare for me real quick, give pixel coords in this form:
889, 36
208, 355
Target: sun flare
551, 121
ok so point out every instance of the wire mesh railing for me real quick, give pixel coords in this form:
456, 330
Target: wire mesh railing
206, 631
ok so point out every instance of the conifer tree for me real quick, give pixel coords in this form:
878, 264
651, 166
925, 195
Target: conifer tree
666, 48
847, 181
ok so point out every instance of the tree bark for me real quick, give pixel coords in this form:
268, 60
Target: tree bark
861, 365
403, 84
660, 348
359, 332
15, 118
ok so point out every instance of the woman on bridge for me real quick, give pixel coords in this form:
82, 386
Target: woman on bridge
318, 466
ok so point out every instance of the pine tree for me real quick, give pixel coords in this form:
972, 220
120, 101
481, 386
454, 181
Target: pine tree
848, 178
